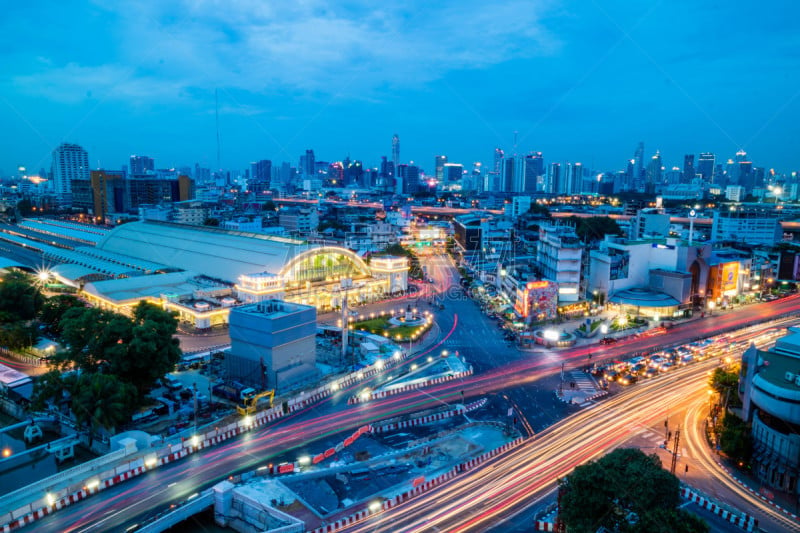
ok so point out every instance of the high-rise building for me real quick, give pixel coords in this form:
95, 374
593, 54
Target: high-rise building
654, 174
638, 170
553, 182
260, 176
705, 166
386, 175
440, 161
452, 172
70, 162
141, 164
498, 159
307, 164
688, 168
574, 177
396, 150
534, 169
407, 179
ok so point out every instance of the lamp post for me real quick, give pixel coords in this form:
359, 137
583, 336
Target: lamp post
711, 307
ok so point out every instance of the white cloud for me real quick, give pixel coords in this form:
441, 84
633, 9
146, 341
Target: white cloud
308, 46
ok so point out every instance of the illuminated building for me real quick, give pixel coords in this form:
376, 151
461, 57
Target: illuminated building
751, 226
220, 269
70, 162
536, 301
769, 387
559, 253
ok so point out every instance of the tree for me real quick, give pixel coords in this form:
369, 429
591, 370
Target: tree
735, 439
726, 383
539, 209
152, 350
590, 229
624, 491
47, 387
101, 401
93, 337
54, 309
18, 334
20, 299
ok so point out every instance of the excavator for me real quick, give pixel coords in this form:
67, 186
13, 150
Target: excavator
251, 403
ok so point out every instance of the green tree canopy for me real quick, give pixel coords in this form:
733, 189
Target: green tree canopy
591, 229
20, 299
726, 383
101, 400
138, 350
735, 438
54, 309
626, 491
152, 350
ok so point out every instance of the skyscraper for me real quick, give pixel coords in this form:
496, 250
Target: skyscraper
452, 172
534, 167
638, 156
260, 176
440, 162
654, 174
705, 166
141, 164
307, 164
688, 168
554, 182
70, 162
407, 179
498, 159
396, 150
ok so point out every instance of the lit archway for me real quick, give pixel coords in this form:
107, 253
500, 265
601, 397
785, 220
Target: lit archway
327, 263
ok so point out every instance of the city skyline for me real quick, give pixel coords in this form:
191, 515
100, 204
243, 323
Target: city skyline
578, 83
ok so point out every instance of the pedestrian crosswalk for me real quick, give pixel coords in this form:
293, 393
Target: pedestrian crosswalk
581, 381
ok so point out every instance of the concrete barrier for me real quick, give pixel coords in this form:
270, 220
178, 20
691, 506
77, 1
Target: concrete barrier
411, 386
742, 520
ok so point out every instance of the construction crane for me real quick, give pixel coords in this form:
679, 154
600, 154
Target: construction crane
251, 403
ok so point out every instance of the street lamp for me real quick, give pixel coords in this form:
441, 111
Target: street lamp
711, 307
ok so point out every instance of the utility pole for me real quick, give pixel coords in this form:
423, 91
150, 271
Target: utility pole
345, 285
675, 450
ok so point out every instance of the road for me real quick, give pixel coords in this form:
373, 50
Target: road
499, 367
522, 477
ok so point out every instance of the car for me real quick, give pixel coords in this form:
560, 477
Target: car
608, 340
641, 368
650, 372
628, 379
611, 375
686, 359
666, 367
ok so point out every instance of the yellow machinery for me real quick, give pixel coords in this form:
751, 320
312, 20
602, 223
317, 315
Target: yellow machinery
251, 403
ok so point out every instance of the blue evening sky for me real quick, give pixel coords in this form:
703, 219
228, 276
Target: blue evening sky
580, 81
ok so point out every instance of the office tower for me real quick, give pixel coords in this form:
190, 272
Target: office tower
746, 175
510, 173
638, 170
498, 159
396, 150
553, 182
440, 161
452, 172
573, 178
354, 173
407, 179
688, 168
260, 176
336, 174
70, 162
141, 164
532, 168
306, 167
705, 166
654, 174
629, 180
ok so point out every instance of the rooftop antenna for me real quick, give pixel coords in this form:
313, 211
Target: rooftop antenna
216, 114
